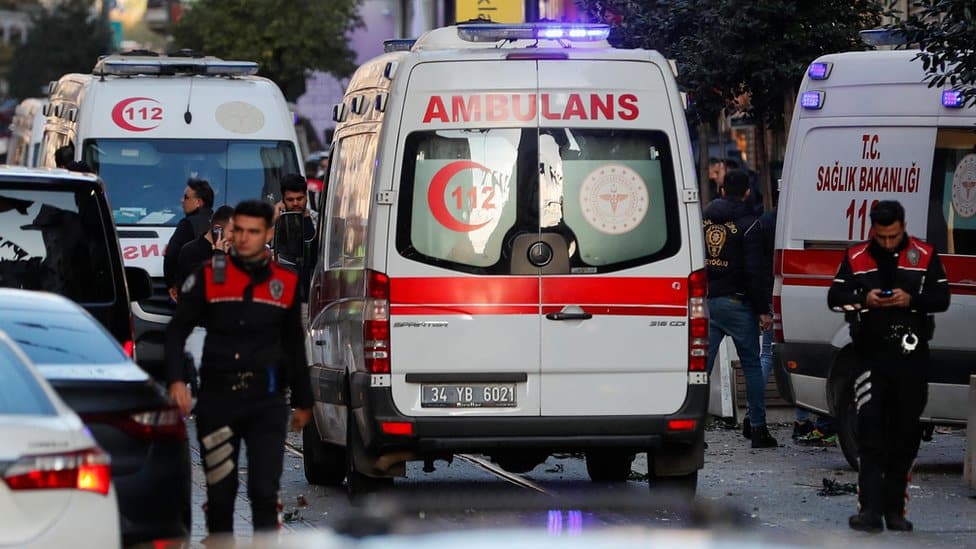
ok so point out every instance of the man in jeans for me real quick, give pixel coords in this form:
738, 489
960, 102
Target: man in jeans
738, 293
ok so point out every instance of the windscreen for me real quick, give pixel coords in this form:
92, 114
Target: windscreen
20, 393
145, 178
58, 338
55, 240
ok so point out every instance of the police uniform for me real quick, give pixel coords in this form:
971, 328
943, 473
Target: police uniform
891, 387
254, 350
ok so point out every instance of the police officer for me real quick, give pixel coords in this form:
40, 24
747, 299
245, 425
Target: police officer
254, 350
888, 287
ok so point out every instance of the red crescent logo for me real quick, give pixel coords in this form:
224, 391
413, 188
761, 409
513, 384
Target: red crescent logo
435, 195
119, 110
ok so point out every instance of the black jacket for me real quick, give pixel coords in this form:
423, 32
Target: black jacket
734, 254
253, 322
194, 254
190, 227
914, 267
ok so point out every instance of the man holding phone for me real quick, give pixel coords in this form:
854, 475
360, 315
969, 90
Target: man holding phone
889, 287
202, 248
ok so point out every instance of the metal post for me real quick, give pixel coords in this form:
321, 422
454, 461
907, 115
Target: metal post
970, 468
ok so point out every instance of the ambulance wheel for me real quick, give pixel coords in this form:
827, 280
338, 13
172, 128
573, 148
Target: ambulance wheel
608, 466
841, 391
325, 463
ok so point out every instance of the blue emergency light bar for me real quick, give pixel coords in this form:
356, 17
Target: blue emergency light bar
812, 100
212, 66
398, 44
883, 37
952, 99
819, 71
492, 32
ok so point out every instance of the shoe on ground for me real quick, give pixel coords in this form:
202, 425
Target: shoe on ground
813, 438
866, 522
802, 428
746, 428
762, 439
897, 523
829, 441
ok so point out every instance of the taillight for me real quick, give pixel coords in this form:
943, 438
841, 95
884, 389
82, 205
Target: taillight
130, 349
697, 322
376, 325
161, 424
778, 335
87, 470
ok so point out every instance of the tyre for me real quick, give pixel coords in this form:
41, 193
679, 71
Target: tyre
325, 464
846, 419
607, 466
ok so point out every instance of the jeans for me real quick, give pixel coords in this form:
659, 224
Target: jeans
765, 358
731, 317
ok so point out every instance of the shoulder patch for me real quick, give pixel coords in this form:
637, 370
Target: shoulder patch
189, 283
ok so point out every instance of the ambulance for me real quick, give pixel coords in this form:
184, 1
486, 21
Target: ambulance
511, 262
26, 132
867, 127
146, 124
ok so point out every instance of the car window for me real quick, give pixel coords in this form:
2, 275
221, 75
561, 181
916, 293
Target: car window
952, 204
145, 178
59, 338
20, 392
55, 240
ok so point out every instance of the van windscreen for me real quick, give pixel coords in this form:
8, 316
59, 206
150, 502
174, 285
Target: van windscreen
145, 178
608, 198
54, 239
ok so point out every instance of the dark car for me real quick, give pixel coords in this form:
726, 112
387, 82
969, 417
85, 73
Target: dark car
57, 235
128, 414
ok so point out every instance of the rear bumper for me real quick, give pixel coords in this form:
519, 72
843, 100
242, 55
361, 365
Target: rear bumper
443, 435
154, 501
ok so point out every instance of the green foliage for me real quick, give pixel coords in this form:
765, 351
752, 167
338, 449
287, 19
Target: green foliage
286, 38
727, 48
62, 40
945, 32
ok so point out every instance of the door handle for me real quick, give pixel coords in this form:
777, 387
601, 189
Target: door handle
563, 315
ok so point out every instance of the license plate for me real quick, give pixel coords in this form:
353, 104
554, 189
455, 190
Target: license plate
495, 395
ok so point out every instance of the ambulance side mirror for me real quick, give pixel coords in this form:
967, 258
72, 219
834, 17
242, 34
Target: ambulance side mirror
289, 238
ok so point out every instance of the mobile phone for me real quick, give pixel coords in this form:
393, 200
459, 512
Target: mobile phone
887, 293
217, 233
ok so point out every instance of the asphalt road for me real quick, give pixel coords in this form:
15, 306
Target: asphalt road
765, 495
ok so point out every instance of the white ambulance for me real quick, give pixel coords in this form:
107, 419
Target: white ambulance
511, 262
26, 132
146, 124
867, 128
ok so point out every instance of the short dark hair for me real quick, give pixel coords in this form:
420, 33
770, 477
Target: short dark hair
203, 191
64, 155
294, 183
222, 215
78, 166
255, 208
736, 183
887, 212
311, 166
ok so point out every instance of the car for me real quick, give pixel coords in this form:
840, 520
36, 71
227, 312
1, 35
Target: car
56, 480
128, 413
57, 235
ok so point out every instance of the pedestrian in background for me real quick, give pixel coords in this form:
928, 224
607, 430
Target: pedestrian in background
198, 199
254, 351
888, 287
216, 240
738, 291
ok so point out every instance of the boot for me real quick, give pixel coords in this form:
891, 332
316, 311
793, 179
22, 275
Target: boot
898, 523
866, 522
762, 439
746, 428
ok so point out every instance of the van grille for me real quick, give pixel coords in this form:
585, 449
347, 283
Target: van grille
159, 303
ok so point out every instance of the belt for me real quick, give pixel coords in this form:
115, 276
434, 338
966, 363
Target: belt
262, 381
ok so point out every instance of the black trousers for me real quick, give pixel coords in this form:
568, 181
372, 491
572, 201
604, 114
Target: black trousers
224, 418
890, 396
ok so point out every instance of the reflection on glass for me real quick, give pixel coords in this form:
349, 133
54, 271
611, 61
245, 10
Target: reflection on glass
145, 178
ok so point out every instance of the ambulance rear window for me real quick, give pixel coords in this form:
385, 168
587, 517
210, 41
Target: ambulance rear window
472, 199
952, 203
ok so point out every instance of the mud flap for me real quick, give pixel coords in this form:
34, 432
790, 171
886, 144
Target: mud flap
679, 459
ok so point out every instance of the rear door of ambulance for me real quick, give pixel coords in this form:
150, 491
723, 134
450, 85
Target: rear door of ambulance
464, 299
614, 329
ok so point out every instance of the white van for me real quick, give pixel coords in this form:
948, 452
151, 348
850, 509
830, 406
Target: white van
867, 127
26, 132
511, 261
146, 124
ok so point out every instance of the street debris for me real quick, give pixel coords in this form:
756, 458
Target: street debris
834, 488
